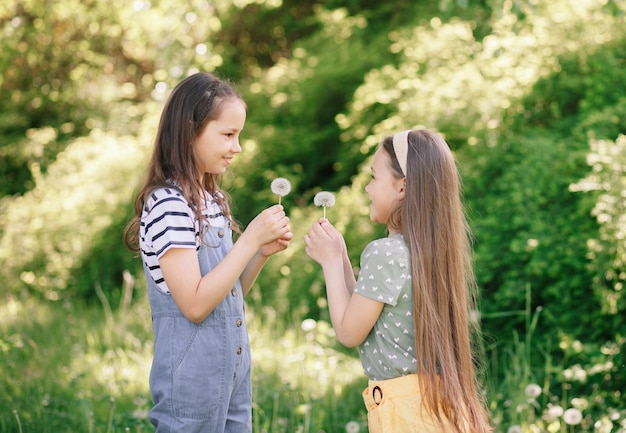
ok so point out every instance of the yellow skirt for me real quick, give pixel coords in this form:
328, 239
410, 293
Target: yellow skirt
395, 406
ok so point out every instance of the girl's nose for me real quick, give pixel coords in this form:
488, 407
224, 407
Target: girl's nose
236, 147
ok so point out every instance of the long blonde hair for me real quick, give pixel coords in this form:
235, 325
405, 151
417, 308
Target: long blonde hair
432, 220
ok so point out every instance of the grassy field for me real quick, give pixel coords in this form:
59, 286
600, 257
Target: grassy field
71, 368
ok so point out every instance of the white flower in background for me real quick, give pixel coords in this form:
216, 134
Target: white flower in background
514, 429
324, 199
308, 325
577, 346
572, 416
580, 403
533, 391
281, 187
603, 425
554, 412
304, 409
352, 427
614, 414
576, 373
141, 414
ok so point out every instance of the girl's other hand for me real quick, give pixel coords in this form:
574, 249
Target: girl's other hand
270, 230
276, 246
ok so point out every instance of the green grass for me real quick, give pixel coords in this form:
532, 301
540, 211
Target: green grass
71, 368
67, 367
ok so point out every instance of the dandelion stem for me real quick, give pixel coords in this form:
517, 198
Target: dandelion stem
324, 212
111, 411
19, 423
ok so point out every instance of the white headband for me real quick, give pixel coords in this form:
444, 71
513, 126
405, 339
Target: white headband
401, 147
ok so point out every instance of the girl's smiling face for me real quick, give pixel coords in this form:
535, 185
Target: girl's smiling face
384, 190
217, 144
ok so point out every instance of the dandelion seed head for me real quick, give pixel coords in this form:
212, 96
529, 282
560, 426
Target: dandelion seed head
140, 414
514, 429
577, 346
572, 416
533, 391
352, 427
614, 414
603, 425
304, 409
324, 199
555, 412
580, 403
281, 186
308, 325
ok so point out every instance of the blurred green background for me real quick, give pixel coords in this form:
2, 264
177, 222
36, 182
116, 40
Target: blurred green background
530, 95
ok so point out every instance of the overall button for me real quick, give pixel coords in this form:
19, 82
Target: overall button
234, 292
220, 233
239, 350
239, 323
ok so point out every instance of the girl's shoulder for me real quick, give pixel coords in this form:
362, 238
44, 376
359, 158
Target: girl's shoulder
391, 246
166, 197
393, 242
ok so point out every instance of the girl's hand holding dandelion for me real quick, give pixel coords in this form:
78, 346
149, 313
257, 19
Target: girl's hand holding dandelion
325, 245
270, 229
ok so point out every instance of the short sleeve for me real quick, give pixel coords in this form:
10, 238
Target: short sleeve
168, 222
384, 270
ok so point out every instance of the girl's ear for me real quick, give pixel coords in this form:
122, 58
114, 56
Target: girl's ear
401, 188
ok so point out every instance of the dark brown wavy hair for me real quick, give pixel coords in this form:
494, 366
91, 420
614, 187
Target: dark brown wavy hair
193, 103
432, 219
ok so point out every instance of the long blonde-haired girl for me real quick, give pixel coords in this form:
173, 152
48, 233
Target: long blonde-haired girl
410, 309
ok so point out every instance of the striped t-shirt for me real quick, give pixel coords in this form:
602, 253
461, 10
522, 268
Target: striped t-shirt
167, 221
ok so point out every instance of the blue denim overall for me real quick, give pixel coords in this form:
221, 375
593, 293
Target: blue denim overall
200, 377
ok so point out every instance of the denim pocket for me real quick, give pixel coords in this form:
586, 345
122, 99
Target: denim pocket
198, 355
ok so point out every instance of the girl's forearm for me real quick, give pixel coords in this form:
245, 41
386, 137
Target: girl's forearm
252, 271
218, 282
338, 295
348, 274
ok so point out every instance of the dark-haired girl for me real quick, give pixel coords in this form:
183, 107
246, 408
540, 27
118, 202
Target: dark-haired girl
197, 277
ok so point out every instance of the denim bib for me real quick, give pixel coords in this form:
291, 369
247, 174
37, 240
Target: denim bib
200, 376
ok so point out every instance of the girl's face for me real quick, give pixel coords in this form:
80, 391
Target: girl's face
384, 190
218, 143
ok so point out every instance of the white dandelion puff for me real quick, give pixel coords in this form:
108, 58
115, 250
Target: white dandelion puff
572, 416
324, 199
352, 427
603, 425
533, 391
308, 325
580, 403
554, 412
514, 429
281, 187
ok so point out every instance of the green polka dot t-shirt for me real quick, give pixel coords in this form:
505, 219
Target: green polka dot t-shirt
385, 276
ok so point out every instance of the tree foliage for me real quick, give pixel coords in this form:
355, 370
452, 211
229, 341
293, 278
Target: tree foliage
530, 95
